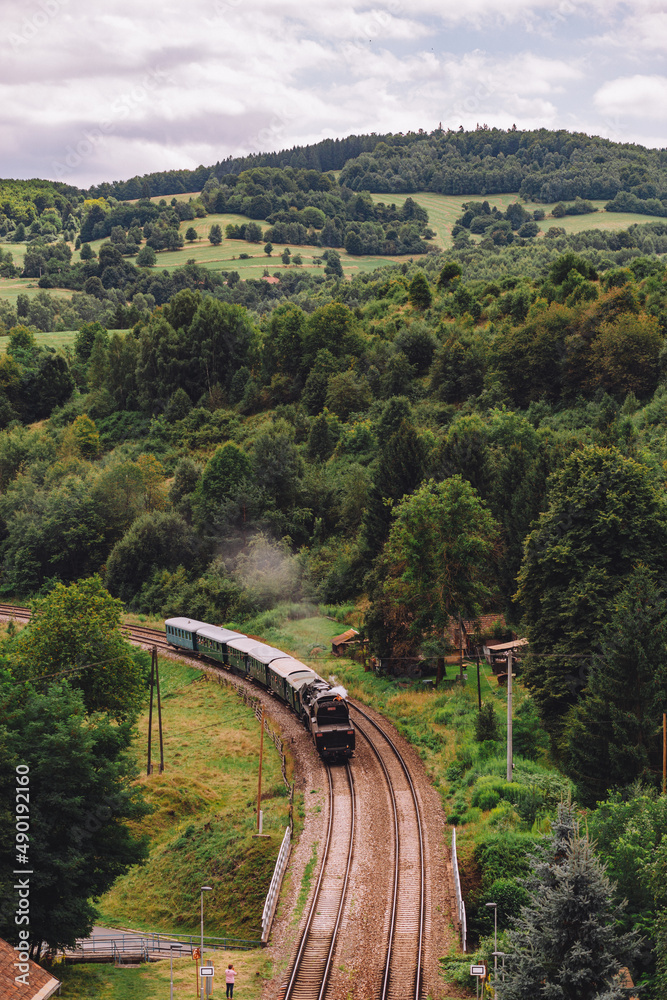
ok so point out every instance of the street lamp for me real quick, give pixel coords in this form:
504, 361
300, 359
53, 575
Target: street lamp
494, 906
502, 955
172, 948
204, 888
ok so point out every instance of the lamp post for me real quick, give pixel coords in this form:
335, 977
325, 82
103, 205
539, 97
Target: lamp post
494, 907
502, 955
172, 948
204, 888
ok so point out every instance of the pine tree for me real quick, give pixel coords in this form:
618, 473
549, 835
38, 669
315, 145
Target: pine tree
613, 736
565, 945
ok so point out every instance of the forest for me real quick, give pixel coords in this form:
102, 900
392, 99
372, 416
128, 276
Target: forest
469, 431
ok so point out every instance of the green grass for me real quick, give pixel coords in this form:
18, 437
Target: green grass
11, 288
151, 982
443, 211
304, 888
58, 340
204, 820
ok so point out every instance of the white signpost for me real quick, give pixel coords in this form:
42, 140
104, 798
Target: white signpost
207, 972
479, 971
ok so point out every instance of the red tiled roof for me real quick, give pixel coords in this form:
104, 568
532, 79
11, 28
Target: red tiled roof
40, 983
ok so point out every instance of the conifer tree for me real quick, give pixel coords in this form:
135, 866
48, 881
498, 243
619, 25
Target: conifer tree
613, 735
565, 945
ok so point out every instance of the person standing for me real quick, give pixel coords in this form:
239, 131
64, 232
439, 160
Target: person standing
230, 976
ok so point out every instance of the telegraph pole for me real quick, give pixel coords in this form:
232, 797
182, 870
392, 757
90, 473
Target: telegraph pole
509, 716
259, 782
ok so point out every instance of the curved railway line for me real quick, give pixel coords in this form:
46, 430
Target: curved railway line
402, 978
309, 971
400, 934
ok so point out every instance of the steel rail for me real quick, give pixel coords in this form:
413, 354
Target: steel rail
316, 989
420, 941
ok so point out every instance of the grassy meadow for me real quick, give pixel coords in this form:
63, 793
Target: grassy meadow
443, 210
149, 982
204, 818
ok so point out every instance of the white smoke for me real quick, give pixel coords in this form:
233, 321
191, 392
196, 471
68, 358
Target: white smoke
339, 690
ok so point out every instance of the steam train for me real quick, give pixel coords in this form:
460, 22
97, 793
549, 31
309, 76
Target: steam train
322, 709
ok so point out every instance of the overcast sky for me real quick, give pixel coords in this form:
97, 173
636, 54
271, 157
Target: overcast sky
92, 92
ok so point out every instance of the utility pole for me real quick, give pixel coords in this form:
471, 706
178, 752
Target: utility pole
509, 716
479, 687
159, 707
155, 683
664, 751
259, 783
150, 722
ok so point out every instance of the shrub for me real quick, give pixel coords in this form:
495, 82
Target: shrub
486, 723
485, 799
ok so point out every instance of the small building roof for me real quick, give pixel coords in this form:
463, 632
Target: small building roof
504, 647
40, 983
344, 637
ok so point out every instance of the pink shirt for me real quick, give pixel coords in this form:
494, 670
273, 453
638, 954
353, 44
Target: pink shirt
230, 975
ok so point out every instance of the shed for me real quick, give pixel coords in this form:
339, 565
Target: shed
495, 653
340, 642
35, 984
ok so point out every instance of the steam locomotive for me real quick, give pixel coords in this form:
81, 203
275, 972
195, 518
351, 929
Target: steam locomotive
323, 709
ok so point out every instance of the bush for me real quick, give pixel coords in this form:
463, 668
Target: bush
510, 897
485, 799
486, 723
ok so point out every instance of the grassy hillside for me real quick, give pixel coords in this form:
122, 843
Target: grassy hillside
444, 209
204, 815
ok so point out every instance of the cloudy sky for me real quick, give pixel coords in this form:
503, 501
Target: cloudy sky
92, 92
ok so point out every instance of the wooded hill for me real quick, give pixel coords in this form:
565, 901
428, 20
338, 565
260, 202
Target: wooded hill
542, 165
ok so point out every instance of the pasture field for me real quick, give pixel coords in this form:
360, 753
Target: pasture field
444, 209
11, 288
58, 340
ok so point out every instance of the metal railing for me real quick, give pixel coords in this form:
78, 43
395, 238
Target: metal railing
460, 905
276, 882
147, 945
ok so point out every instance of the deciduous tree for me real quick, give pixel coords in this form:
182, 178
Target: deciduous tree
78, 625
79, 774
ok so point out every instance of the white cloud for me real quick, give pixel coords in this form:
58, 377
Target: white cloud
639, 96
233, 76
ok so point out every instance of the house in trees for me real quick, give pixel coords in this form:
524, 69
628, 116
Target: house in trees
471, 633
343, 644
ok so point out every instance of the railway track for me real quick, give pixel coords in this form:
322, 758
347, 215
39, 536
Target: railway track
309, 972
135, 633
403, 864
402, 977
11, 610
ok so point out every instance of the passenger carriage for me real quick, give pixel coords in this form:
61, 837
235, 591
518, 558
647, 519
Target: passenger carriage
212, 641
183, 632
237, 654
259, 658
286, 677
